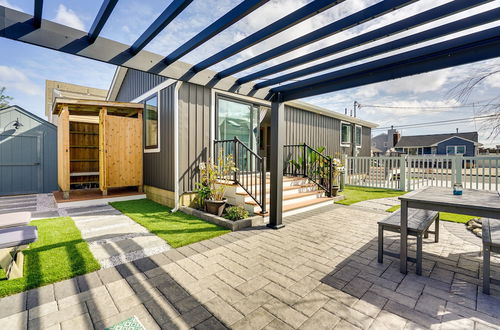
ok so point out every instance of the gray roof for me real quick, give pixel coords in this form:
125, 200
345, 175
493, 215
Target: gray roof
432, 139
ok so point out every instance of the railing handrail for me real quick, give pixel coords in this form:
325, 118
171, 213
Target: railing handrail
329, 176
247, 148
241, 177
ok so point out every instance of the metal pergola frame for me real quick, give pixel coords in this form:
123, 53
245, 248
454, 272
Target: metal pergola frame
472, 47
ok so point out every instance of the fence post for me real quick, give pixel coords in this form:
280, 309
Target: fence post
235, 155
456, 169
330, 177
304, 160
402, 173
346, 167
263, 178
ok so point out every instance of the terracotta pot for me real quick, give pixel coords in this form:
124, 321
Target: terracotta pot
215, 207
335, 190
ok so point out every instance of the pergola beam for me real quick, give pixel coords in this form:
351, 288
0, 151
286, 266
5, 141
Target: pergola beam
168, 15
101, 19
292, 19
231, 17
37, 15
471, 48
16, 25
342, 24
436, 32
377, 34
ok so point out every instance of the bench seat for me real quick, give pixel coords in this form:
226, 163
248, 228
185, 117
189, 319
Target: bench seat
13, 241
491, 243
419, 222
15, 219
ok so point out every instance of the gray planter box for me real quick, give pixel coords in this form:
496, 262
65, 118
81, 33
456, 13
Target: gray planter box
229, 224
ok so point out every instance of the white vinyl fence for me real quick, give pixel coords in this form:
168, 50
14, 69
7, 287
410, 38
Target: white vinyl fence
413, 172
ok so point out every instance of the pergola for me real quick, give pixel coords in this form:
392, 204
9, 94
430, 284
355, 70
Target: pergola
467, 48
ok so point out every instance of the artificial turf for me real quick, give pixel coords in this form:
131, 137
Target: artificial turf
358, 194
177, 229
452, 217
58, 254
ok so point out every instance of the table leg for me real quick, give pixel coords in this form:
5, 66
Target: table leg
404, 238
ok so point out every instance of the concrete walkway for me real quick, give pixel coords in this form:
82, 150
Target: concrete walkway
40, 205
318, 272
113, 237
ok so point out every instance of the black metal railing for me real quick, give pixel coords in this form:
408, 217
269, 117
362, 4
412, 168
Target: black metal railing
251, 168
302, 160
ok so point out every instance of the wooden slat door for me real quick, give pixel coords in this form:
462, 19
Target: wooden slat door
63, 168
120, 151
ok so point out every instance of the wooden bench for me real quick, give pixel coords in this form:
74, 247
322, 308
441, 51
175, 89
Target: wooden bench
419, 222
13, 241
491, 243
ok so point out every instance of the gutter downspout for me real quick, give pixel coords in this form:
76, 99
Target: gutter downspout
176, 147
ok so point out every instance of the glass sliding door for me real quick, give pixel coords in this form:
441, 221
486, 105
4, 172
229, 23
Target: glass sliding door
241, 120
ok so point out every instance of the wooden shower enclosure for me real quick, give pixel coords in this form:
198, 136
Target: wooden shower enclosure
99, 144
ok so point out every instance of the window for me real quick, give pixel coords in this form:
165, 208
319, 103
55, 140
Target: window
385, 144
357, 136
455, 150
151, 123
345, 134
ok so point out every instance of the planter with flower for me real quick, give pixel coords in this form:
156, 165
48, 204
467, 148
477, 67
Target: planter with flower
337, 169
210, 193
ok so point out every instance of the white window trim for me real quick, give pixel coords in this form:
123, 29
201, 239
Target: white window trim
157, 149
345, 144
361, 138
455, 148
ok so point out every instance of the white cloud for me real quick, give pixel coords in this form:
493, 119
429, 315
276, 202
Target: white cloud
68, 17
13, 78
7, 4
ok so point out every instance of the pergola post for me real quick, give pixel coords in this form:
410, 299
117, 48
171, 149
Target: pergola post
277, 139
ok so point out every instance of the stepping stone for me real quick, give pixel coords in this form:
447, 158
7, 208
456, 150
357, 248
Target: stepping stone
103, 251
87, 209
113, 232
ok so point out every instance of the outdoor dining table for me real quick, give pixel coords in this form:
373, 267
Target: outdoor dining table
478, 203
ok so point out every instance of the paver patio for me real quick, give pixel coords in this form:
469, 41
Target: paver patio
320, 272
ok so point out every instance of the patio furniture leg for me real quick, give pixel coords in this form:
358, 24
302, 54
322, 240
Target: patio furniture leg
436, 230
12, 262
486, 269
403, 266
426, 234
380, 244
419, 254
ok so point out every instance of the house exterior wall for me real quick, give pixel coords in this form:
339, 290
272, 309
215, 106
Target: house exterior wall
137, 83
195, 137
456, 141
35, 141
318, 130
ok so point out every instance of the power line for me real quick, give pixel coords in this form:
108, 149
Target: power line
434, 123
426, 107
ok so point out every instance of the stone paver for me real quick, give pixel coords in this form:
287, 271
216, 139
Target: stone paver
313, 274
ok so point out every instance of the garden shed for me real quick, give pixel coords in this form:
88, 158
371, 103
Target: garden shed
28, 153
99, 144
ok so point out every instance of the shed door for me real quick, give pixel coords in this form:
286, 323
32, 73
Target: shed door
20, 165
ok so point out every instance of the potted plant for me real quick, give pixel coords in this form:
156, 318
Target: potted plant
209, 191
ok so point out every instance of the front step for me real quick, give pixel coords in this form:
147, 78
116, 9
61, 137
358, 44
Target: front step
298, 193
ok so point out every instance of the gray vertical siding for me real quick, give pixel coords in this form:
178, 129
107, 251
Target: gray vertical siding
159, 166
318, 130
194, 133
35, 141
137, 83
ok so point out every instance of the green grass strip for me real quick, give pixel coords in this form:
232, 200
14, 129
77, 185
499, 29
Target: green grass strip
58, 254
177, 229
358, 194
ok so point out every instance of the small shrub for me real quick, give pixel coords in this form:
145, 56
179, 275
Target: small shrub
236, 213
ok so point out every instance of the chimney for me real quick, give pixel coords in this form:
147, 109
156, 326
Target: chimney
396, 137
457, 130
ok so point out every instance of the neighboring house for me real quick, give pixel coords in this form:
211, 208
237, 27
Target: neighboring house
28, 153
383, 143
439, 144
183, 120
60, 89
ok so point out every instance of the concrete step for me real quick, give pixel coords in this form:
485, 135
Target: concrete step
103, 224
88, 209
288, 200
287, 181
111, 232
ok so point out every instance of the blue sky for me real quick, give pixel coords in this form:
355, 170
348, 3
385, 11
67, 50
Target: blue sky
423, 98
